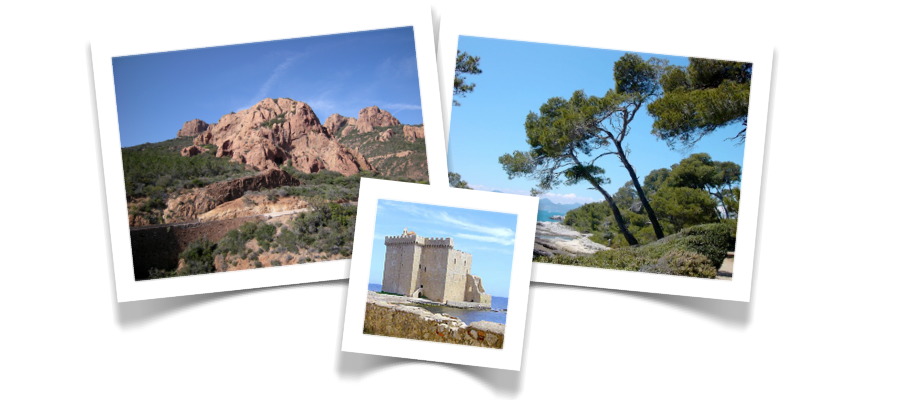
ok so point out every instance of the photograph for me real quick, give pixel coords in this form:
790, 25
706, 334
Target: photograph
457, 253
249, 156
450, 271
638, 158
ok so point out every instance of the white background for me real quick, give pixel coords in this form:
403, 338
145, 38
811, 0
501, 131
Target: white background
834, 303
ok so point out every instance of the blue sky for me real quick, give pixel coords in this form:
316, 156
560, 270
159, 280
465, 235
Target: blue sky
488, 236
156, 93
517, 78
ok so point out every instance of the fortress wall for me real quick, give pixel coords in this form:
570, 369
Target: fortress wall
433, 274
475, 292
458, 267
400, 271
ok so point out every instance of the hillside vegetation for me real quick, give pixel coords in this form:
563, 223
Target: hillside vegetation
156, 171
395, 157
697, 251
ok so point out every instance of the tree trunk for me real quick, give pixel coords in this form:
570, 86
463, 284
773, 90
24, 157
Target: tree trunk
635, 180
621, 223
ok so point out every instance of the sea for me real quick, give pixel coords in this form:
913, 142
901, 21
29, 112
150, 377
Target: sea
497, 314
543, 215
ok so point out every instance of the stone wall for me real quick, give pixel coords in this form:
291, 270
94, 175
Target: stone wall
409, 322
475, 292
433, 273
159, 246
458, 270
400, 269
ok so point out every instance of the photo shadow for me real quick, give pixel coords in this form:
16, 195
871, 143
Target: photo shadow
355, 365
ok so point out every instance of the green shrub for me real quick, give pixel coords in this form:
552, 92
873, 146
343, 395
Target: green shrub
234, 242
683, 262
696, 251
198, 257
710, 240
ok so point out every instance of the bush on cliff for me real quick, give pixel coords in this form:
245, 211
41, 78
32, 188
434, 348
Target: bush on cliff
234, 242
696, 251
198, 258
329, 228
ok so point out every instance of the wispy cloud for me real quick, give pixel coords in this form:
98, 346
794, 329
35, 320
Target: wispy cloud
500, 189
277, 72
397, 107
567, 198
497, 232
509, 241
474, 231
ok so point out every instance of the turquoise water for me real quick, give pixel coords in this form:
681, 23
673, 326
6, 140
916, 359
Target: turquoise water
466, 315
543, 215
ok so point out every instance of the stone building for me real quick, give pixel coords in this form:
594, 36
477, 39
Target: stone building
416, 266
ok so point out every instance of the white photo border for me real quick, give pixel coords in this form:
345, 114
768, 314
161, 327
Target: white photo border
353, 338
122, 44
584, 34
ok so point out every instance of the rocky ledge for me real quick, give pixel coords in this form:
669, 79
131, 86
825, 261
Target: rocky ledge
556, 238
388, 315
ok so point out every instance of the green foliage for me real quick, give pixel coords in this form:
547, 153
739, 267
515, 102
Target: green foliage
710, 240
198, 257
699, 98
234, 242
684, 206
158, 168
277, 120
684, 196
413, 166
457, 181
329, 228
153, 171
633, 75
696, 251
466, 65
568, 137
683, 262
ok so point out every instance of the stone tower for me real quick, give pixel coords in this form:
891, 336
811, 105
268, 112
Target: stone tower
416, 266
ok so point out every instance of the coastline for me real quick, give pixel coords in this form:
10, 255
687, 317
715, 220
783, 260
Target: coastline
555, 238
396, 316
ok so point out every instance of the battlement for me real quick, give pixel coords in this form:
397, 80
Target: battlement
439, 242
403, 239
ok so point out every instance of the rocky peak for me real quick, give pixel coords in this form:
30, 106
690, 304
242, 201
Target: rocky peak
275, 131
336, 121
372, 117
193, 128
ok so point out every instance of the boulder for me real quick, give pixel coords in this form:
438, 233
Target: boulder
373, 117
413, 133
385, 135
193, 128
191, 151
335, 122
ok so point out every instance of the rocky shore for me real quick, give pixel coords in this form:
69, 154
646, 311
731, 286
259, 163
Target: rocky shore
394, 316
555, 238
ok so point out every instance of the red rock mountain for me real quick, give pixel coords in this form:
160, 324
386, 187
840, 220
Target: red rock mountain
276, 131
372, 117
335, 122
